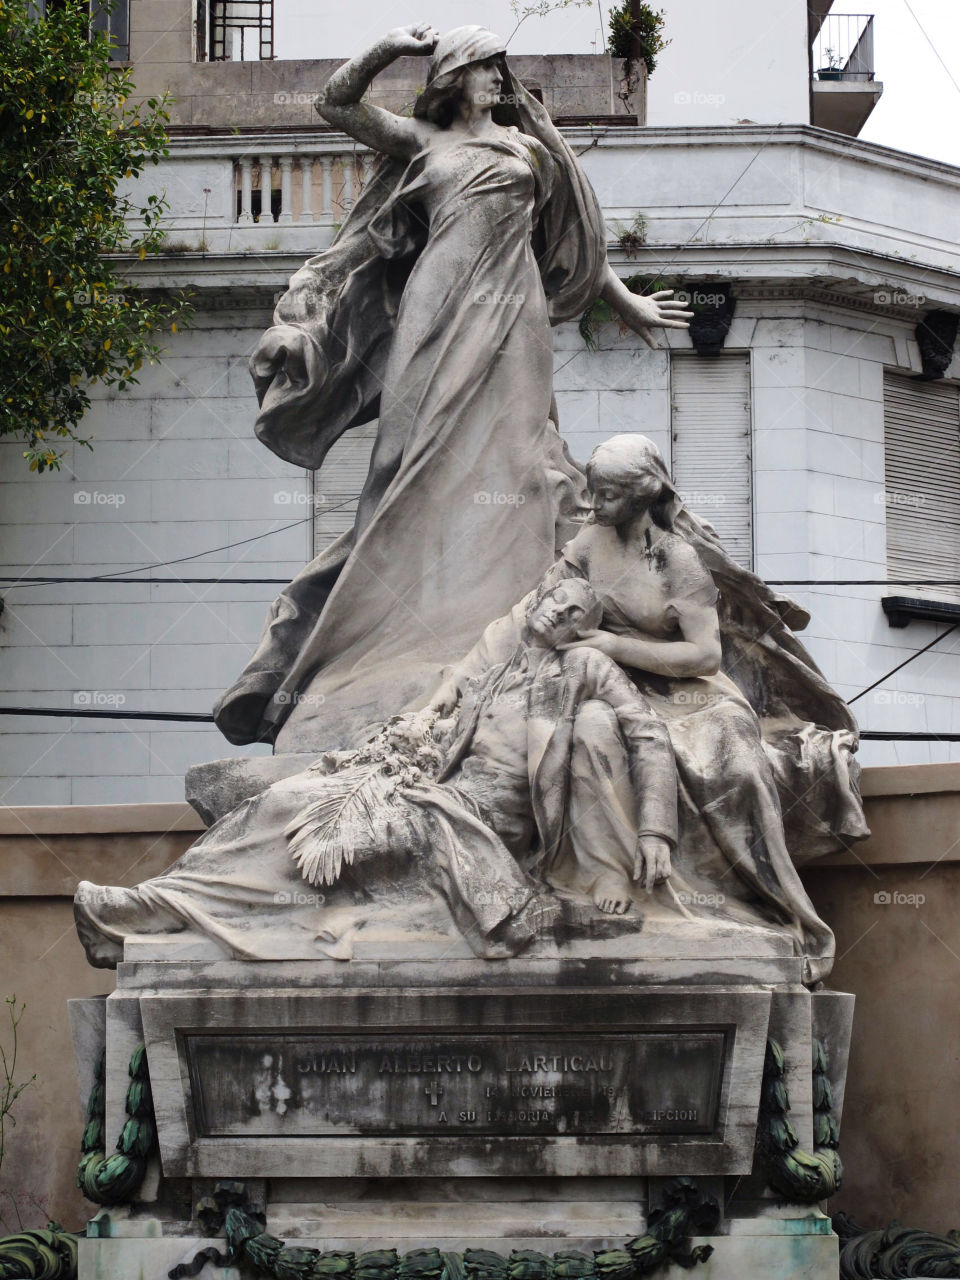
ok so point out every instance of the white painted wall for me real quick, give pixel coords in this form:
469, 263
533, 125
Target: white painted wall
177, 471
180, 453
730, 63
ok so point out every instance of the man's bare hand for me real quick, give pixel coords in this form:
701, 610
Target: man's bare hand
651, 862
445, 699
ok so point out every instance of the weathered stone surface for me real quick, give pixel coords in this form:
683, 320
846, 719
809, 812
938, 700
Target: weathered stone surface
216, 787
404, 1082
88, 1029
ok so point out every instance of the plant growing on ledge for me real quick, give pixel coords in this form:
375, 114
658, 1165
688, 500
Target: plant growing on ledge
636, 30
600, 312
69, 136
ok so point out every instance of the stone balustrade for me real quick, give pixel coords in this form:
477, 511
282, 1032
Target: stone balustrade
298, 187
714, 198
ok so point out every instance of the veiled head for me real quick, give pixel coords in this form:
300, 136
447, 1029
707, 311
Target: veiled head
626, 475
461, 46
467, 64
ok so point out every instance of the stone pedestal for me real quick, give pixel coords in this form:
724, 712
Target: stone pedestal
528, 1104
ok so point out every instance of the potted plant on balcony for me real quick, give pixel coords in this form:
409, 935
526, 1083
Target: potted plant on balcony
834, 68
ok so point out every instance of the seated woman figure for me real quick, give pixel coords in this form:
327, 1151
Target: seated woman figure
762, 743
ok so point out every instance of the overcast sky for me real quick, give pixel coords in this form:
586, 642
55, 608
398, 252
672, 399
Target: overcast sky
919, 110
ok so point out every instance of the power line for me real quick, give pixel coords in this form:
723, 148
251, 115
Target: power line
90, 713
906, 662
120, 574
160, 564
53, 580
936, 51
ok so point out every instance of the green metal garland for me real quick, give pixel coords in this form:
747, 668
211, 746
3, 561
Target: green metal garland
894, 1251
116, 1178
797, 1174
50, 1254
685, 1211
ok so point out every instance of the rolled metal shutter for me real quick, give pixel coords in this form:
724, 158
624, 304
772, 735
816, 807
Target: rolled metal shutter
712, 446
337, 485
921, 422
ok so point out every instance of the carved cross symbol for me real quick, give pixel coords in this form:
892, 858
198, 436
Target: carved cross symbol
435, 1090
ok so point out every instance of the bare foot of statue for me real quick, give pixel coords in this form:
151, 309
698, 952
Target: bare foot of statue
612, 894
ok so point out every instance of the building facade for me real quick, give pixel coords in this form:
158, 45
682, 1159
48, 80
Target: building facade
803, 416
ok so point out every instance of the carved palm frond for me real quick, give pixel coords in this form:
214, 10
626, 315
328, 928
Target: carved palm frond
327, 833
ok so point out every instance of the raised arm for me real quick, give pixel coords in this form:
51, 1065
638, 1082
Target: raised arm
340, 101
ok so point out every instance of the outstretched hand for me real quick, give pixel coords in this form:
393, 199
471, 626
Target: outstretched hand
659, 310
417, 40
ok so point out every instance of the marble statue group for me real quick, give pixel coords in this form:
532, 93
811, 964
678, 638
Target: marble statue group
521, 726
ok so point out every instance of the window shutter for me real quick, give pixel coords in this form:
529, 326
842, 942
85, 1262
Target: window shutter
712, 454
921, 423
114, 22
338, 483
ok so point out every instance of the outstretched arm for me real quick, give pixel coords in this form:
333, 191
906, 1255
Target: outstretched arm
642, 312
340, 105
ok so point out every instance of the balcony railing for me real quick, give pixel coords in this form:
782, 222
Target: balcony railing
315, 185
843, 48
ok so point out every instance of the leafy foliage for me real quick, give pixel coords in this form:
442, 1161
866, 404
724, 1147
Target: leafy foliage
600, 312
69, 137
647, 27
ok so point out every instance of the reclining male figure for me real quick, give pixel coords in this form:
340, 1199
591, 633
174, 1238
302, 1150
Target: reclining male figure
525, 794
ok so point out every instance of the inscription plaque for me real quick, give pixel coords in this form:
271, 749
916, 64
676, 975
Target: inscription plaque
312, 1084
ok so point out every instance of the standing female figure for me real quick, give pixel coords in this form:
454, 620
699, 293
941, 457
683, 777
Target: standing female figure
432, 311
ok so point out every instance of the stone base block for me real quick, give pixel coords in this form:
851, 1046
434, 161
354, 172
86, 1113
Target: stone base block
146, 1259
